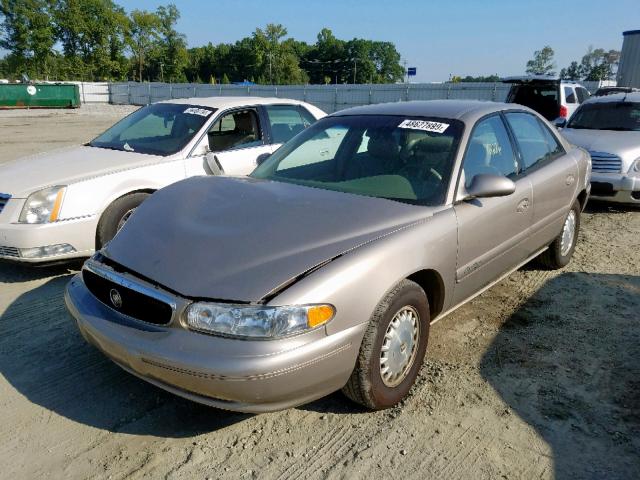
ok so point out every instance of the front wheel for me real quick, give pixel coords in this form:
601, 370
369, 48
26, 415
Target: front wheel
392, 350
561, 249
116, 215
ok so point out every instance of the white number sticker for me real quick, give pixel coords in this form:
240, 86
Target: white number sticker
425, 125
203, 112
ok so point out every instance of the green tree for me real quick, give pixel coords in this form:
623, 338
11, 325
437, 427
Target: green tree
276, 58
172, 48
143, 35
92, 34
542, 62
599, 64
572, 72
28, 34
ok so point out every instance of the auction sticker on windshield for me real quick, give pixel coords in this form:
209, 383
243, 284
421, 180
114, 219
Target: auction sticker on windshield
203, 112
425, 125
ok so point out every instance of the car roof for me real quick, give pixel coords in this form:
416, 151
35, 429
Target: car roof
465, 110
231, 102
616, 97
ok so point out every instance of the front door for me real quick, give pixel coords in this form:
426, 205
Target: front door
236, 139
492, 232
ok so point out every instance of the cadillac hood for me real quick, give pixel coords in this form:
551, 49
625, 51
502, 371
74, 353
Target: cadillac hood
238, 239
624, 144
64, 166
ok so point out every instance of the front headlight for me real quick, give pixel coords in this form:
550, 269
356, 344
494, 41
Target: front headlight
43, 206
635, 167
255, 320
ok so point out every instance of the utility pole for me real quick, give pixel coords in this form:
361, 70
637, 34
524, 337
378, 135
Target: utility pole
406, 75
355, 69
162, 72
270, 56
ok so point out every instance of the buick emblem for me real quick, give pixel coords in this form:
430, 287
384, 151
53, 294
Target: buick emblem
116, 298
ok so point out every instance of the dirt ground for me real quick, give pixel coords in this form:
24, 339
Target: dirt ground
539, 377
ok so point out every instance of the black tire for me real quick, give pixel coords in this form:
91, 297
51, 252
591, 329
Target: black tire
553, 258
114, 214
366, 385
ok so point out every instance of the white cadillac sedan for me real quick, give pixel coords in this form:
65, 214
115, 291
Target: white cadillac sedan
68, 203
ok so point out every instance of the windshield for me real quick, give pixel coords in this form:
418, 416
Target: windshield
622, 116
158, 129
407, 159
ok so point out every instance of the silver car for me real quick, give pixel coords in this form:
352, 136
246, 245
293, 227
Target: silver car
609, 127
324, 269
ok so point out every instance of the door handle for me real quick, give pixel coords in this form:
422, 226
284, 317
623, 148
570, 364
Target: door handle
523, 205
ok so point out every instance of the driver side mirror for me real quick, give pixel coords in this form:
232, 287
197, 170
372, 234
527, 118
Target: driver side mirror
262, 158
488, 185
560, 122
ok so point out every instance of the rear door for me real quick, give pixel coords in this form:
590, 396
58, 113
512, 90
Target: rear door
285, 122
491, 231
552, 172
570, 99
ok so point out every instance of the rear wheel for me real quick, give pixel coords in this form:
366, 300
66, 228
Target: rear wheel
392, 350
116, 215
561, 249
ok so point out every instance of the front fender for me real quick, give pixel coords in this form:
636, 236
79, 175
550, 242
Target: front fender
356, 282
93, 195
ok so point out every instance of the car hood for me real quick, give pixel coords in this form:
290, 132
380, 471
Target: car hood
22, 177
239, 239
624, 144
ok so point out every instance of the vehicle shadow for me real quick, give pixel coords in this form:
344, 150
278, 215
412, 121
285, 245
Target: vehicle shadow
44, 357
598, 206
11, 272
568, 363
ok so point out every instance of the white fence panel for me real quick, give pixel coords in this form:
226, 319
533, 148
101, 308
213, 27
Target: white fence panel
329, 98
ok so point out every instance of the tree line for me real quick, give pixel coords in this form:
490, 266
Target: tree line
596, 64
98, 40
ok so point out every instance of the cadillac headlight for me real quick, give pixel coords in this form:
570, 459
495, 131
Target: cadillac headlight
43, 206
255, 320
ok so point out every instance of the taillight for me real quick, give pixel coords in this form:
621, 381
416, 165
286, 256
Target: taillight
563, 111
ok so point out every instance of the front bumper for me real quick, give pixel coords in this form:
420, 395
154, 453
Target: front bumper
79, 233
615, 187
241, 375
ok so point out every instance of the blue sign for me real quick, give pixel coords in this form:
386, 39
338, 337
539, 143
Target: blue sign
411, 71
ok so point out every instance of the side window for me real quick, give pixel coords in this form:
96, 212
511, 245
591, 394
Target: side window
569, 95
583, 94
239, 129
555, 147
534, 144
286, 122
489, 151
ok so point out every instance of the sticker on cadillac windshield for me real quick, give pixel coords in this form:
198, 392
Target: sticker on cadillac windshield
203, 112
425, 125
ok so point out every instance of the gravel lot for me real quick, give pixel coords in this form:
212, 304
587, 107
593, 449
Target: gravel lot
537, 378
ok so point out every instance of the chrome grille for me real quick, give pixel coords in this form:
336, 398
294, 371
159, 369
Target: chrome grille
605, 162
4, 198
9, 252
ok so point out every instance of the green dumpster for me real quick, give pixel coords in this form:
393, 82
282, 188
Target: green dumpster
39, 95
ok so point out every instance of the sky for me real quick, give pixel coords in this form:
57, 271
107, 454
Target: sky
439, 38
